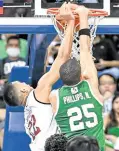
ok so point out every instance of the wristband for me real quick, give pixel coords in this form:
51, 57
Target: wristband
84, 31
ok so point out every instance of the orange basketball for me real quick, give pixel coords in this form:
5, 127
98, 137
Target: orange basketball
62, 24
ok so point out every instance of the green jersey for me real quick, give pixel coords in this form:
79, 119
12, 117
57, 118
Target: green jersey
80, 113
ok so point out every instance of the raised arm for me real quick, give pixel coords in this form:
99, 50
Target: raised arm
88, 68
63, 54
52, 76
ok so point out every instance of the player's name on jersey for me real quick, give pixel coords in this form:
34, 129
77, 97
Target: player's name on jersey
76, 97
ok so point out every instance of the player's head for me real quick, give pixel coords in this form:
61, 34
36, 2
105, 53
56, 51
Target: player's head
56, 142
70, 72
15, 93
107, 83
82, 143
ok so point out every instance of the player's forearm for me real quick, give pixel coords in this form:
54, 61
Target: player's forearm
66, 46
85, 48
2, 114
84, 40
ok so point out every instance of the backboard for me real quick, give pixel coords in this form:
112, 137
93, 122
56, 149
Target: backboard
42, 5
114, 8
17, 8
17, 3
58, 3
40, 23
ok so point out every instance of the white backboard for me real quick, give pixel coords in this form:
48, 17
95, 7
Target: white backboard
41, 17
106, 7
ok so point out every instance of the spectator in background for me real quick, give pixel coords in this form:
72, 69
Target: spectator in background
115, 40
107, 87
82, 143
13, 59
107, 58
56, 142
3, 41
111, 123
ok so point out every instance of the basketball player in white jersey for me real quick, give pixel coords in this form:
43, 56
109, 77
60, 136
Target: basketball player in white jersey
39, 121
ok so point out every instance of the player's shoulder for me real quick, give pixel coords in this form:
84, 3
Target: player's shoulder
54, 92
54, 95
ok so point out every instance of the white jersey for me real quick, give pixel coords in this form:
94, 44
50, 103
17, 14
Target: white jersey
39, 122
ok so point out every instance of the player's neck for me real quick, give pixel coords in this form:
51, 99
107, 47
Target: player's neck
71, 85
25, 97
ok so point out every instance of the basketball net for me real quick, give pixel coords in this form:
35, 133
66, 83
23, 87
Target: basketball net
93, 23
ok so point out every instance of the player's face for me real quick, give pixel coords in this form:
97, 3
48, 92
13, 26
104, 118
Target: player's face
107, 84
116, 105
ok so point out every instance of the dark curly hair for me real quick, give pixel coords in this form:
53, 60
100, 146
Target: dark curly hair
10, 95
56, 142
82, 143
70, 72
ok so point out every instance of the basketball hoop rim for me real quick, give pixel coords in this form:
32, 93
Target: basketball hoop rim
94, 12
60, 24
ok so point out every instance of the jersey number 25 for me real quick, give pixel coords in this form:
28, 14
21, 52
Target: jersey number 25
76, 122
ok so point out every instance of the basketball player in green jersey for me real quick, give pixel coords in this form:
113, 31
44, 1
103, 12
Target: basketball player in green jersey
78, 104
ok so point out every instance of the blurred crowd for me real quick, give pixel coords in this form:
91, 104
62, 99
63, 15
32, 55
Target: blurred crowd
13, 52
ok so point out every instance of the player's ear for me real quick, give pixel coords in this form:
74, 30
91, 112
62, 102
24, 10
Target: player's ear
84, 76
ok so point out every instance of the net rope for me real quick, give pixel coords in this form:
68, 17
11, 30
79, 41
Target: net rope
93, 23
